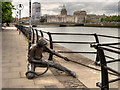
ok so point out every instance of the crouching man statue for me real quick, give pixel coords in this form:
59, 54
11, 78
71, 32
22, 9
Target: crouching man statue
35, 59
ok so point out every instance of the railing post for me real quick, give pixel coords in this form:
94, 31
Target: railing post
33, 36
37, 36
29, 38
41, 33
26, 32
20, 29
104, 72
51, 46
97, 41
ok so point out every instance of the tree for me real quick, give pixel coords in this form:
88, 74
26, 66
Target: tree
111, 19
7, 12
0, 12
102, 20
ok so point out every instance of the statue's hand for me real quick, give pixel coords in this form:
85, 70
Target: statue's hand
66, 59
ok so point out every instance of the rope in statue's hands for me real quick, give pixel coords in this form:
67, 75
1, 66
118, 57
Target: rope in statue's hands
38, 74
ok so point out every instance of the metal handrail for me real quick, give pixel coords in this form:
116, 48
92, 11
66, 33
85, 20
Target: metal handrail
114, 60
42, 31
112, 70
108, 36
104, 68
107, 44
72, 42
109, 57
110, 50
76, 52
113, 47
71, 34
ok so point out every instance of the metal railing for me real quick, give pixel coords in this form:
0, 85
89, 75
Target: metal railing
69, 42
100, 55
104, 85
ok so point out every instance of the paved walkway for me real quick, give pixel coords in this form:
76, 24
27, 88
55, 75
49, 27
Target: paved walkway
14, 62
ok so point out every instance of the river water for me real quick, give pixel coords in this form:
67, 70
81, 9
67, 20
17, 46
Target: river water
83, 47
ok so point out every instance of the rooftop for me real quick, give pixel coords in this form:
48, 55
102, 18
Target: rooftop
92, 14
36, 3
79, 11
63, 7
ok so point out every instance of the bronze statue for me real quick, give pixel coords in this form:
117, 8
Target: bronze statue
35, 59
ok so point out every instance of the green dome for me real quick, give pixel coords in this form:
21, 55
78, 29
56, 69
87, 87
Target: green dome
63, 7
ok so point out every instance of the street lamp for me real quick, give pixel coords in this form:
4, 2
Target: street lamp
16, 18
20, 7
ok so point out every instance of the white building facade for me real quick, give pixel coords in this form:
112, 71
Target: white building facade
78, 17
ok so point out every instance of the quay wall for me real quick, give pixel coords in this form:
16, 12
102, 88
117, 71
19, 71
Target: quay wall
114, 25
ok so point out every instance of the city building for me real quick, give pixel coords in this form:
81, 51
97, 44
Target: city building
36, 11
93, 18
80, 13
62, 18
78, 17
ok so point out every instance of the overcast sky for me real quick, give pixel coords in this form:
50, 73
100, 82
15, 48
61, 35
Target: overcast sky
53, 7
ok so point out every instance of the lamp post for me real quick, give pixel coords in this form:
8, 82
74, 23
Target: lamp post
16, 18
20, 7
29, 36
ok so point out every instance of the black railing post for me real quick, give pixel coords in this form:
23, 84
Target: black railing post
29, 38
33, 36
26, 32
36, 36
104, 72
51, 46
41, 33
97, 41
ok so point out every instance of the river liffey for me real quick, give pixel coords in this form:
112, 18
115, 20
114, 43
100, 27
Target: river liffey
83, 38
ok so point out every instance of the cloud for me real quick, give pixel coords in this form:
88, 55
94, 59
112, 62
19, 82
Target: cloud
62, 1
93, 7
109, 7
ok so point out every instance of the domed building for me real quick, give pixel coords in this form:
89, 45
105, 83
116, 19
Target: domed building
78, 17
63, 11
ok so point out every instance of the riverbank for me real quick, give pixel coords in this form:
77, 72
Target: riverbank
112, 25
57, 24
